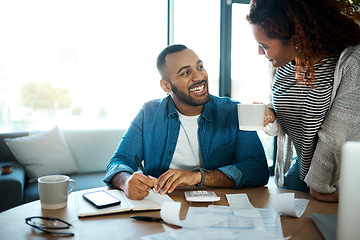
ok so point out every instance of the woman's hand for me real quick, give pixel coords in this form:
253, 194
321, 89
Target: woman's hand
324, 197
270, 116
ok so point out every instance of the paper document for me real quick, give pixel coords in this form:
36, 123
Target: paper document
239, 201
170, 214
240, 220
270, 220
221, 223
287, 204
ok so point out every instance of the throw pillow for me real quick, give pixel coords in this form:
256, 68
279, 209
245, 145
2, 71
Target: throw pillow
43, 154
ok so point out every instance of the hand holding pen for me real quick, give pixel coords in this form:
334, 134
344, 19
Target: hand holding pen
154, 180
136, 186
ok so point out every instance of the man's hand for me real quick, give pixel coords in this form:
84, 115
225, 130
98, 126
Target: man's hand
135, 186
174, 178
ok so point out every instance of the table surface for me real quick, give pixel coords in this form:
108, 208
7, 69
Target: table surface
121, 226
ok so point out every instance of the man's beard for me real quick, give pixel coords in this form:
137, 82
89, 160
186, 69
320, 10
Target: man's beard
188, 99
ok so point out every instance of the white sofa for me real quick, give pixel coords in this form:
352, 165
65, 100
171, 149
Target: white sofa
91, 149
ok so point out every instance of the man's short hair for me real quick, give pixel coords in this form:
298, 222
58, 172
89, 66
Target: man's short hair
160, 63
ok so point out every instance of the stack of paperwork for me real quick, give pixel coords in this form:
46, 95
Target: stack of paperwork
239, 220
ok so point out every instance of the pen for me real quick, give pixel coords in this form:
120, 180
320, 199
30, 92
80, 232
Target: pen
138, 162
148, 219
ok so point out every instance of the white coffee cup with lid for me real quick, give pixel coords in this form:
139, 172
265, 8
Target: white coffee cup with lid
54, 191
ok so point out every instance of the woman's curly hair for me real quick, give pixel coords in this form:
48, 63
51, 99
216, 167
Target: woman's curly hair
324, 28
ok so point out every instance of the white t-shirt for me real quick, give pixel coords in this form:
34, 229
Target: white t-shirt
187, 152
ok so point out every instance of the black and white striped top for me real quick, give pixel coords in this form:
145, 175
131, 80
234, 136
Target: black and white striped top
301, 110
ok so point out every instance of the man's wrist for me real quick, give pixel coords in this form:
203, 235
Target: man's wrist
202, 172
119, 179
198, 177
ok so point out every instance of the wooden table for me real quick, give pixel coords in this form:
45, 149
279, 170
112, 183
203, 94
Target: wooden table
120, 226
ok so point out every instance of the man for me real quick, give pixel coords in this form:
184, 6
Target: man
187, 138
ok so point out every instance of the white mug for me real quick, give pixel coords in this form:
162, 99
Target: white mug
251, 116
54, 191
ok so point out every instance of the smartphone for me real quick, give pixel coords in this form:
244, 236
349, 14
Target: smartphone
101, 199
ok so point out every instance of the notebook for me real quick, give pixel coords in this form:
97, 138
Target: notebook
345, 225
152, 202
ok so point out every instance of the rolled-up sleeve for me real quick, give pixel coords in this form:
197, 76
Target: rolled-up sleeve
233, 173
250, 168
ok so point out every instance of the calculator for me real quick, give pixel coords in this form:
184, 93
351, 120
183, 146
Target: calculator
201, 196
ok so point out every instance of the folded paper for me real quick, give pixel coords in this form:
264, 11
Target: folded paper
287, 204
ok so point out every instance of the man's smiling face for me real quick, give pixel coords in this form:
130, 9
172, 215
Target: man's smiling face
188, 78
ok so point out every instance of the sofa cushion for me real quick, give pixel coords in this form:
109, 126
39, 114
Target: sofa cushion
92, 149
43, 154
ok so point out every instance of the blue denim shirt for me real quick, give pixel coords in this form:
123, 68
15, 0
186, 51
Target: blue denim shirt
154, 132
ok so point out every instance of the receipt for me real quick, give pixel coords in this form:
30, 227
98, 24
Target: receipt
287, 204
170, 214
239, 201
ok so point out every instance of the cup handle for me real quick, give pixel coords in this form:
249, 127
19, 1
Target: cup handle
74, 185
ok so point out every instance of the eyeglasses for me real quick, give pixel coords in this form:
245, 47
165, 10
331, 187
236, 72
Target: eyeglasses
47, 224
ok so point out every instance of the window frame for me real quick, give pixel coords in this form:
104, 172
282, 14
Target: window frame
225, 57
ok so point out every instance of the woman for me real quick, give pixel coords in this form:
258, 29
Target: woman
314, 48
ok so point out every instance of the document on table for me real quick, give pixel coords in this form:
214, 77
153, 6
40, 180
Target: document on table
284, 203
238, 220
170, 214
225, 225
287, 204
270, 220
241, 206
221, 222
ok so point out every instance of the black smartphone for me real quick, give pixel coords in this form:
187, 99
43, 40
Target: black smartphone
101, 199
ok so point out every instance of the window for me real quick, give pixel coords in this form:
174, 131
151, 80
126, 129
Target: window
250, 80
249, 75
78, 64
92, 64
197, 25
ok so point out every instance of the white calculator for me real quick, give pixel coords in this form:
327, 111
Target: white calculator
201, 196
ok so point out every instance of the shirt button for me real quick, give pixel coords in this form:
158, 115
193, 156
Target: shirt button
176, 128
170, 152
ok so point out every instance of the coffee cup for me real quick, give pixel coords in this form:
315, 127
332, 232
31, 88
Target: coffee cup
54, 191
251, 116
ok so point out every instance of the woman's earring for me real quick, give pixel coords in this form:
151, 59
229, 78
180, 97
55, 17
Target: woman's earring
296, 47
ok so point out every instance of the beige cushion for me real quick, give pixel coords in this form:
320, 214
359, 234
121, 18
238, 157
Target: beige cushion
43, 154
